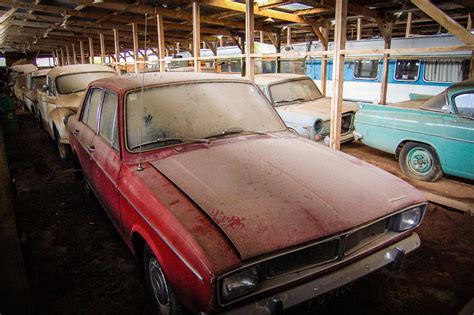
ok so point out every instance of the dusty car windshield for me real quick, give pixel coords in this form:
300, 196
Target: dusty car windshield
76, 82
436, 103
293, 91
196, 111
38, 82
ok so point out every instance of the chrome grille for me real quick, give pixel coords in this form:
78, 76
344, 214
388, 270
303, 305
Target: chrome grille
346, 123
362, 237
309, 257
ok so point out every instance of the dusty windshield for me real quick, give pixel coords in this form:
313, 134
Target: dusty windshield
436, 103
186, 112
294, 91
38, 82
77, 82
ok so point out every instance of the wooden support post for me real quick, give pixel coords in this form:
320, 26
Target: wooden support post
471, 68
278, 50
58, 58
408, 28
359, 28
68, 60
178, 48
62, 56
161, 41
135, 45
196, 36
250, 46
324, 61
74, 55
221, 41
81, 49
288, 36
91, 50
338, 73
117, 51
469, 20
102, 48
445, 21
53, 55
262, 37
386, 30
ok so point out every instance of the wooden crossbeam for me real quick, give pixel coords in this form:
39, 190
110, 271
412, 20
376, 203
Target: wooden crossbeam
445, 21
313, 11
7, 15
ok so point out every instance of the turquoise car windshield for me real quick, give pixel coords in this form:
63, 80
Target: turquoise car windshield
437, 103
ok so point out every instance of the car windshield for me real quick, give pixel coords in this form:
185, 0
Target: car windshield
294, 91
436, 103
38, 82
196, 112
77, 82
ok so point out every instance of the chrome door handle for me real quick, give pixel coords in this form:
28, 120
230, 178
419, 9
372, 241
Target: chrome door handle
76, 132
90, 148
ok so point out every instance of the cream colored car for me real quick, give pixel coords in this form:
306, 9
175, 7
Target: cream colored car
60, 97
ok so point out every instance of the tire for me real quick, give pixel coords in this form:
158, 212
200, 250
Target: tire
164, 299
63, 149
420, 161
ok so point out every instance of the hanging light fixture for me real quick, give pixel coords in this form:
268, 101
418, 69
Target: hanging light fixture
269, 20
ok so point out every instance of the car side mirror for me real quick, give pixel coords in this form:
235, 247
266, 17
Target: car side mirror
44, 88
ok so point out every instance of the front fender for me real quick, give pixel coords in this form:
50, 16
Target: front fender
57, 118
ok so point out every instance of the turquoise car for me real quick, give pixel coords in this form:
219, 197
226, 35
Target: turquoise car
429, 137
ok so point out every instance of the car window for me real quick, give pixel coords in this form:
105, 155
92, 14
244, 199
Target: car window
465, 104
108, 119
89, 117
77, 82
407, 70
293, 91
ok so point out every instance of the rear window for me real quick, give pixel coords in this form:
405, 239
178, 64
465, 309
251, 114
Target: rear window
407, 70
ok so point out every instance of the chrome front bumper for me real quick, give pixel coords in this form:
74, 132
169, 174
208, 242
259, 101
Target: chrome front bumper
283, 300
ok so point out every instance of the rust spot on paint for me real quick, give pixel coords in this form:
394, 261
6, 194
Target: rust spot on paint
172, 203
227, 221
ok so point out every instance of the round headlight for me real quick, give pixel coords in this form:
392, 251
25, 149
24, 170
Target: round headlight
240, 283
318, 126
407, 219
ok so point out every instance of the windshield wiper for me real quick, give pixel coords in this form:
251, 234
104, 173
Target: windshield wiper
234, 130
299, 99
172, 139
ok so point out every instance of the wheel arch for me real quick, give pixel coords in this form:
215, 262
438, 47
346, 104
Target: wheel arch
429, 143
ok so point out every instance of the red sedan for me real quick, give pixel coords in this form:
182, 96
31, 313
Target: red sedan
229, 210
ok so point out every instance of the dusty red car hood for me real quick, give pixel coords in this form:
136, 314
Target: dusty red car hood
272, 192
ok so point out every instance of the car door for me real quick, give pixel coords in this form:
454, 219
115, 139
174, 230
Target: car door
459, 142
86, 131
106, 157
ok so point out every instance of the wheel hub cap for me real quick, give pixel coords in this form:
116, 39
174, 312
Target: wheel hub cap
159, 286
420, 161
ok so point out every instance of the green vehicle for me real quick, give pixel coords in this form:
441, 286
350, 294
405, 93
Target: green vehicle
429, 137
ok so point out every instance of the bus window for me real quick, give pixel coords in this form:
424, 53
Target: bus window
366, 69
446, 70
407, 70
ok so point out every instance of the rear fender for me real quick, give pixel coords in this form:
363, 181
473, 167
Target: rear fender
57, 117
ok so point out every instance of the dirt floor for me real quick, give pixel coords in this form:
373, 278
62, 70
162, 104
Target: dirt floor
77, 263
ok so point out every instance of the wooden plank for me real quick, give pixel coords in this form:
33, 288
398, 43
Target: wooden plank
102, 48
62, 56
161, 42
58, 58
288, 36
53, 55
409, 22
338, 73
313, 11
7, 15
249, 38
135, 46
74, 55
445, 21
324, 62
81, 50
67, 55
449, 202
91, 50
388, 27
196, 36
359, 28
117, 51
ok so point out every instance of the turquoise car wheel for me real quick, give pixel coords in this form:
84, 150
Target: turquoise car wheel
420, 161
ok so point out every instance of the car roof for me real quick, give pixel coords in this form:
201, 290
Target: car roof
467, 85
41, 72
57, 71
270, 78
25, 68
151, 79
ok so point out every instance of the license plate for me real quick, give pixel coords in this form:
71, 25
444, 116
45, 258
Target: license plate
332, 295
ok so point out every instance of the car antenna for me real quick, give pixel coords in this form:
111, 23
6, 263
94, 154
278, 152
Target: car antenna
140, 166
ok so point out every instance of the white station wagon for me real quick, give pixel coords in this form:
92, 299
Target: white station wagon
302, 106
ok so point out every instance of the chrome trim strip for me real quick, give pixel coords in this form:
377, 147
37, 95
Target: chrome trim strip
174, 250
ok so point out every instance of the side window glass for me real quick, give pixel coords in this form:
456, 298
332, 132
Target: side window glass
108, 119
465, 104
407, 70
90, 114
